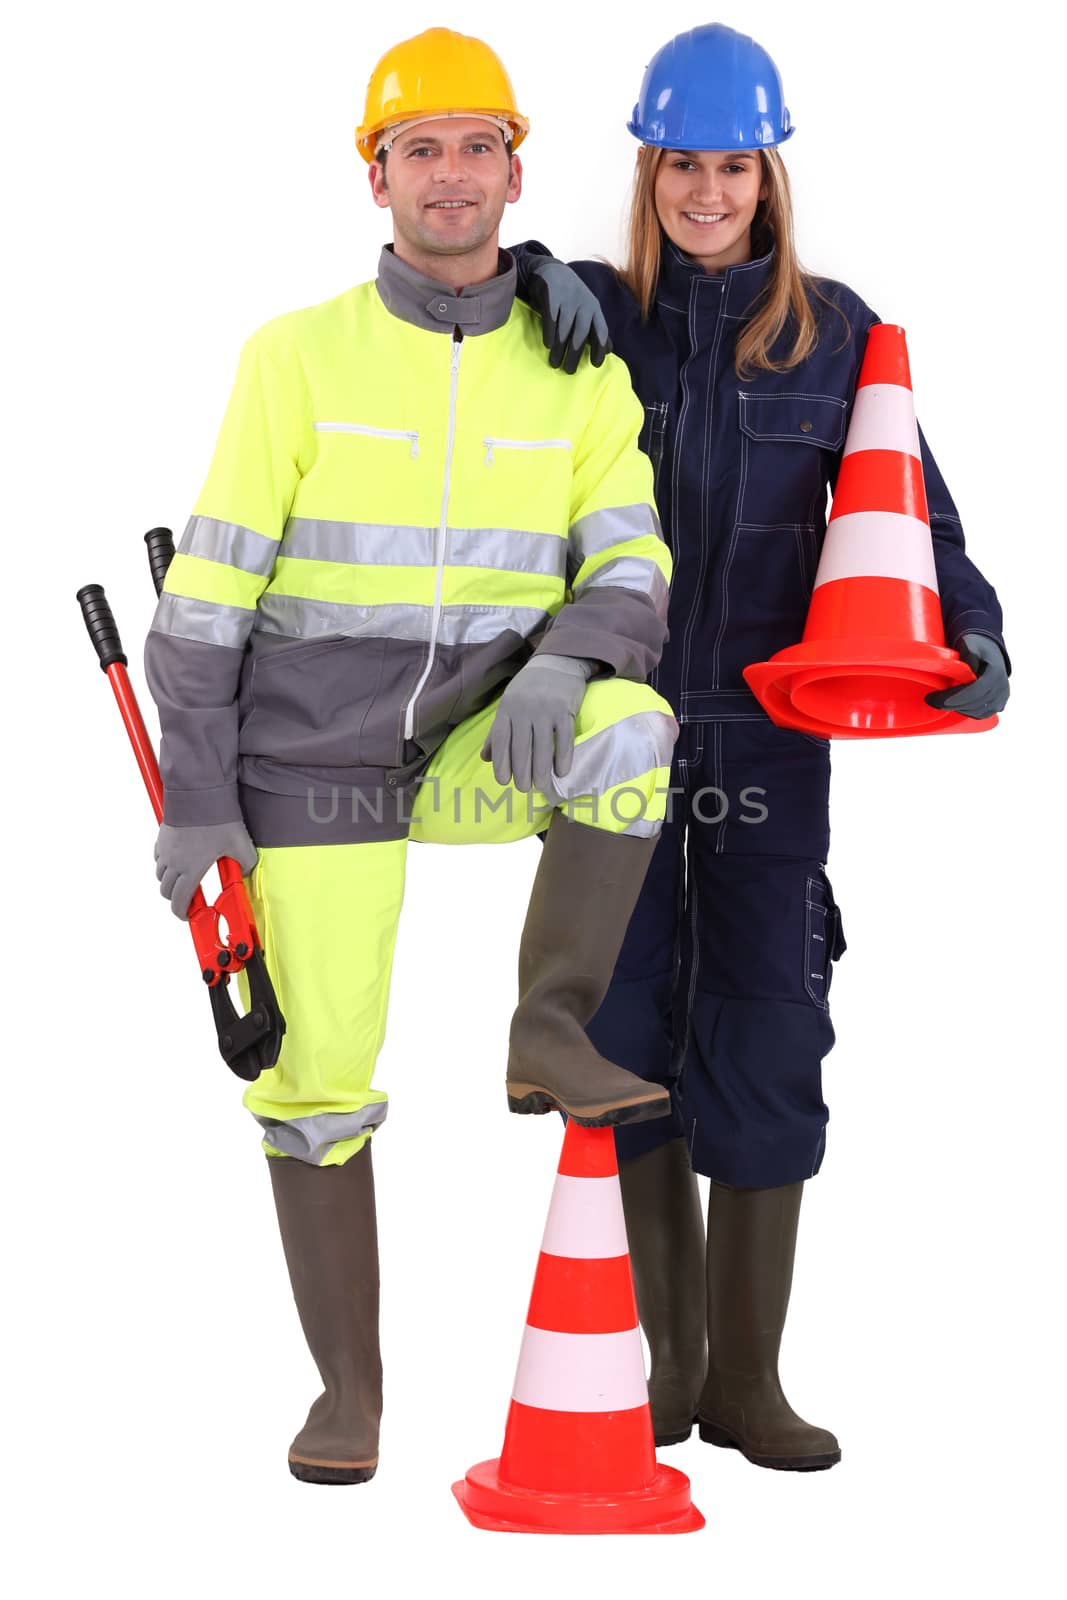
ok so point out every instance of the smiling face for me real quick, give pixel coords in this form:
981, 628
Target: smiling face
706, 200
447, 182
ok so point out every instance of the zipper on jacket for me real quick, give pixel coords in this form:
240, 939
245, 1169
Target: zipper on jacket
522, 444
374, 433
442, 536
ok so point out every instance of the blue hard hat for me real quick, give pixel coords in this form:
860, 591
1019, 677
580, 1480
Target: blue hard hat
711, 89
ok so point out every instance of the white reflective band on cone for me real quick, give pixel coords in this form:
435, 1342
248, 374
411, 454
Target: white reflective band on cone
581, 1371
883, 418
878, 544
585, 1219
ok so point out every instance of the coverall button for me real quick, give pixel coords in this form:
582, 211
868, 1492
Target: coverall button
442, 307
805, 426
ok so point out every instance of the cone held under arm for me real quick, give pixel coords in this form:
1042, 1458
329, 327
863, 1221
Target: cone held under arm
874, 641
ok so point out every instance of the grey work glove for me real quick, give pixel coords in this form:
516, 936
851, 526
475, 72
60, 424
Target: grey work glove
990, 689
535, 721
570, 315
184, 855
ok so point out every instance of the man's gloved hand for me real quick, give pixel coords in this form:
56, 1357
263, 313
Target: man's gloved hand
990, 689
535, 719
184, 855
570, 315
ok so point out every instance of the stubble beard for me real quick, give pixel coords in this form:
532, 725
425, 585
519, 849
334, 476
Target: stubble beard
426, 239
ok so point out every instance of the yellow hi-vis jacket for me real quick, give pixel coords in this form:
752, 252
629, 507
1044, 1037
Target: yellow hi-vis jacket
405, 500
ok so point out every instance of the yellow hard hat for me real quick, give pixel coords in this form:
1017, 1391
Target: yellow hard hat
437, 73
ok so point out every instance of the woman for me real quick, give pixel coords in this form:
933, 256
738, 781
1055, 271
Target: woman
746, 367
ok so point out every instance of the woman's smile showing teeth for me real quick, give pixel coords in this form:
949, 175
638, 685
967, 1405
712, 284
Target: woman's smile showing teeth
705, 216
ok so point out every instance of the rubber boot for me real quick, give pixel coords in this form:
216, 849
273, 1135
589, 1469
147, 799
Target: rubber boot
586, 888
329, 1234
665, 1229
752, 1235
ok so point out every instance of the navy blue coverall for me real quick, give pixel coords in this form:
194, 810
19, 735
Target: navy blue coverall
721, 988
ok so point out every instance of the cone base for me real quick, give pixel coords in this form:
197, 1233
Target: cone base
874, 689
663, 1506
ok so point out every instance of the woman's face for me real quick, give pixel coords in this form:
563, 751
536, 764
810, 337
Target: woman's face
706, 200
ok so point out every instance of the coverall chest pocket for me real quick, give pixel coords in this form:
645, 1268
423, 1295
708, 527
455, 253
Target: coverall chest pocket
328, 703
522, 478
788, 446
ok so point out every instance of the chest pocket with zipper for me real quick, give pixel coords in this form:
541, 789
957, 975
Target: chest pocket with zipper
493, 445
517, 483
363, 430
788, 446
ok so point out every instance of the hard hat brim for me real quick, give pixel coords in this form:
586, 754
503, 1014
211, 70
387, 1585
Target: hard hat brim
689, 144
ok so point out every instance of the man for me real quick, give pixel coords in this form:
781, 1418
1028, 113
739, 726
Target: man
407, 514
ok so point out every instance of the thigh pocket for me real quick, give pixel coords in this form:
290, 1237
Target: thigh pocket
824, 938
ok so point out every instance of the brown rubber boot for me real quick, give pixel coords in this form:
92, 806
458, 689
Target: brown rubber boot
665, 1229
752, 1235
586, 888
329, 1233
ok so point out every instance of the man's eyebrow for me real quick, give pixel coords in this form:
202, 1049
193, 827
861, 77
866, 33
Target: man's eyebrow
415, 141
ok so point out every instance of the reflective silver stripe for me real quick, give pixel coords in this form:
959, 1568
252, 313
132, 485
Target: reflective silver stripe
229, 543
311, 1139
602, 529
643, 828
510, 549
640, 828
360, 544
628, 750
183, 618
630, 572
297, 618
379, 544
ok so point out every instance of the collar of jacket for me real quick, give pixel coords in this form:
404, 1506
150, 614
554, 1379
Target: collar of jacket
438, 308
734, 290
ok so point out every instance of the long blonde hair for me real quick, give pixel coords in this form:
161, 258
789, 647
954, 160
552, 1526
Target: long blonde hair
785, 297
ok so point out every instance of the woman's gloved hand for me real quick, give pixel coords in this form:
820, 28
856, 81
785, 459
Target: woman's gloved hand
535, 721
183, 855
570, 314
990, 689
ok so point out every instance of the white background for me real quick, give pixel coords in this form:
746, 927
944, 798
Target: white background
178, 174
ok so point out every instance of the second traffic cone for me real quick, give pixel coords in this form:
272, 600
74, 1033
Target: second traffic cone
874, 642
578, 1454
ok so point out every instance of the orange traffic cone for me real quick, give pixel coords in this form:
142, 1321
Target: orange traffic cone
874, 641
578, 1454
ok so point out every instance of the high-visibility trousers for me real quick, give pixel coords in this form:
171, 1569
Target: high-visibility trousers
327, 914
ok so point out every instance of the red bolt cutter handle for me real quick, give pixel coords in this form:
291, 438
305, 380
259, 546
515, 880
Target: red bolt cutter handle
251, 1043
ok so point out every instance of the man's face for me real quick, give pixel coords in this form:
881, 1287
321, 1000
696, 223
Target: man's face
447, 183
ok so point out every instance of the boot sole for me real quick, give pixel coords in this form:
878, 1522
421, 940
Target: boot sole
528, 1100
712, 1434
325, 1472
